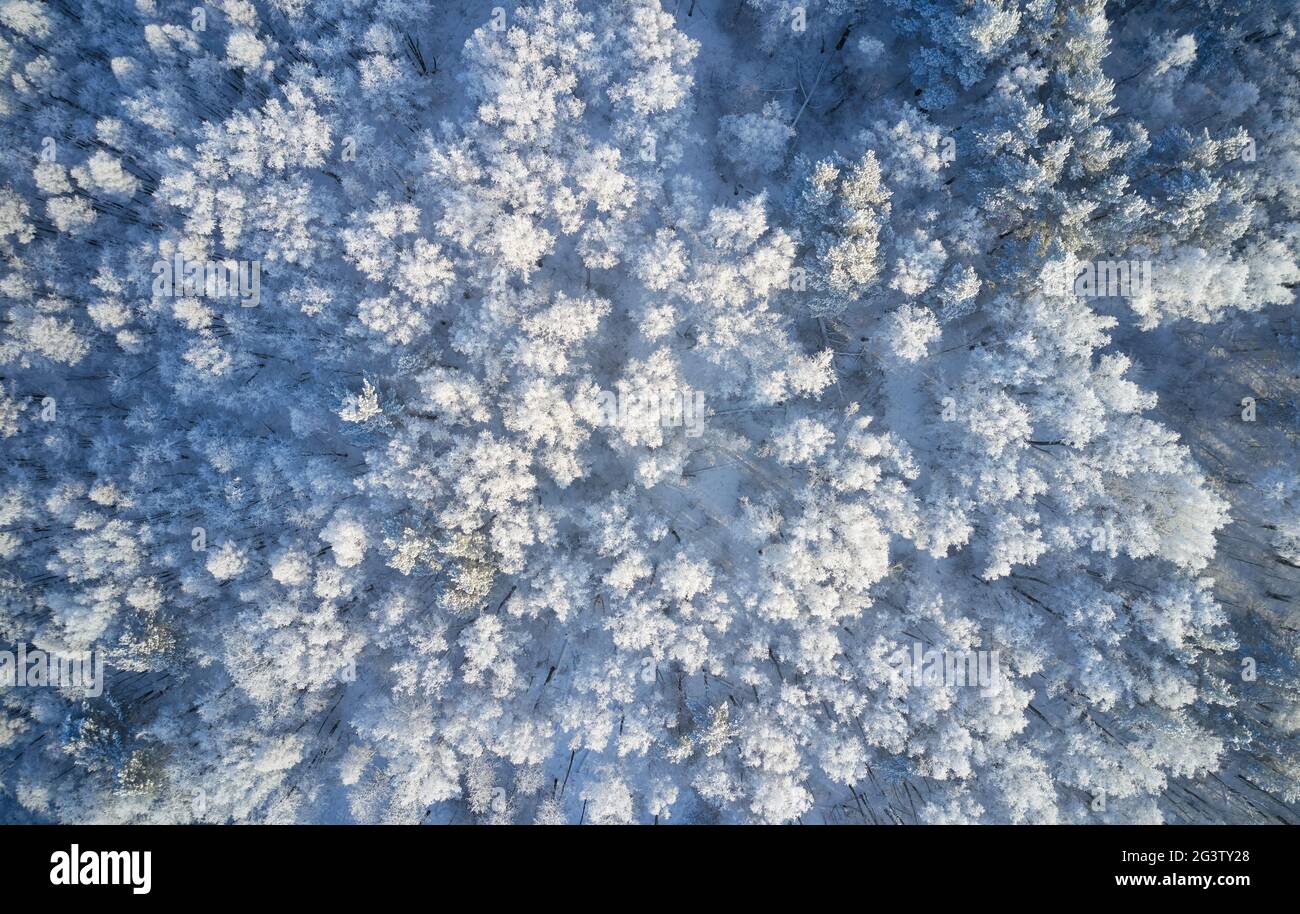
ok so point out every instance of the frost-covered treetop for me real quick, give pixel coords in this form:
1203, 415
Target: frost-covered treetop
633, 411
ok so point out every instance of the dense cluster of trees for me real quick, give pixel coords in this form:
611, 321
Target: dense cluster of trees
371, 549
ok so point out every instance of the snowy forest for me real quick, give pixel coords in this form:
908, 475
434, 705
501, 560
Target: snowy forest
650, 411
